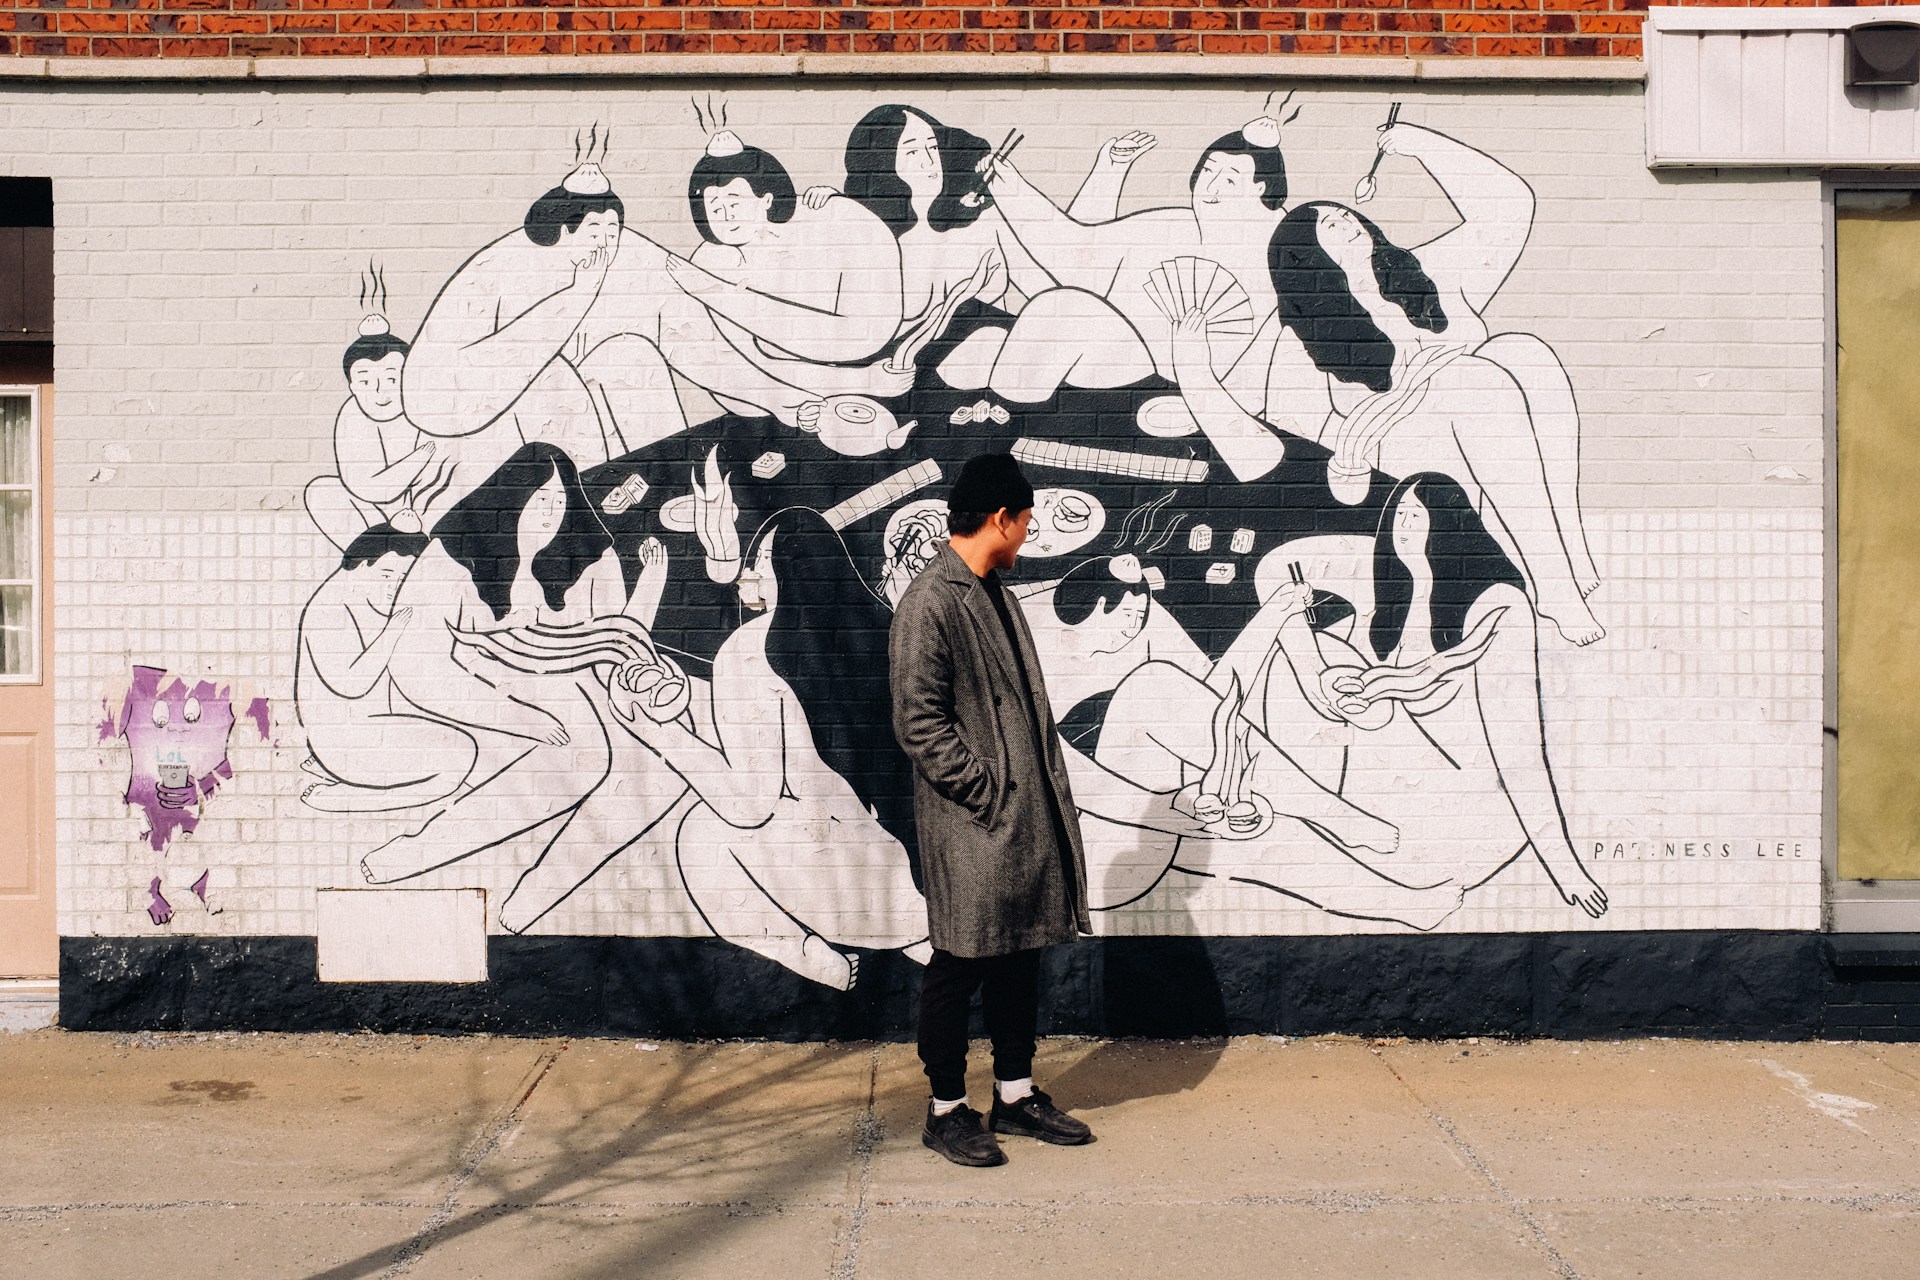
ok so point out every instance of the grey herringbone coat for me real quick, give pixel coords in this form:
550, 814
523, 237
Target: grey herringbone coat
994, 877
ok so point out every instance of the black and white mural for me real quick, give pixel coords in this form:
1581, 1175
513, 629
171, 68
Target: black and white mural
621, 518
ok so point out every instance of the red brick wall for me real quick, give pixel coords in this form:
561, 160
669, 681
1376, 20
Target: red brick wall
420, 28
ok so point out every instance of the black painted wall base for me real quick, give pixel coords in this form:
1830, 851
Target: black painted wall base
1739, 984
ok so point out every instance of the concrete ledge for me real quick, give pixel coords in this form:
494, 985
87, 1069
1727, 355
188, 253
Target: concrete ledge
29, 1004
1826, 17
1875, 950
1283, 67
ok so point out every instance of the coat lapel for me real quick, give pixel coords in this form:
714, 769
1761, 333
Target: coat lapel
973, 595
1029, 655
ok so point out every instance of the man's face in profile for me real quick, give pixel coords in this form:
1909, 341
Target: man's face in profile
1013, 533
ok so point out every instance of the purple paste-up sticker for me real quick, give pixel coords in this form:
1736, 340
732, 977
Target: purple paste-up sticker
261, 717
174, 735
199, 887
107, 728
160, 909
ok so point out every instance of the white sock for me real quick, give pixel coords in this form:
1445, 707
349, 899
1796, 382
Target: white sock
1012, 1091
942, 1106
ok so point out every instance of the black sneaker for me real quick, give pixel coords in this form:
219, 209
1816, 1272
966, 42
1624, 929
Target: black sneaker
1035, 1116
960, 1137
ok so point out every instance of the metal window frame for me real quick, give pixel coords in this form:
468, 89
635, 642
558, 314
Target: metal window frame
1850, 906
37, 584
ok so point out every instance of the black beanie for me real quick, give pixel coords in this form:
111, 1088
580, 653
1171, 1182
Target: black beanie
988, 483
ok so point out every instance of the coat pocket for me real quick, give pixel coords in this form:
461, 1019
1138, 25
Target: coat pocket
987, 814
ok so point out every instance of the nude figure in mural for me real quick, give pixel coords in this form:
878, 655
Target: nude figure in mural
1468, 265
795, 851
821, 284
809, 293
1407, 399
502, 360
371, 752
1103, 326
1178, 774
524, 549
1436, 679
386, 471
922, 178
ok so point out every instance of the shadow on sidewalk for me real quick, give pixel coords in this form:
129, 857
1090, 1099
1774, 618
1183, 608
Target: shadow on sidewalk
693, 1132
1124, 1070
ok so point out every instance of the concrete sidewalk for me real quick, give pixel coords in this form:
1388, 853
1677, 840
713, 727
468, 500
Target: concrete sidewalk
338, 1157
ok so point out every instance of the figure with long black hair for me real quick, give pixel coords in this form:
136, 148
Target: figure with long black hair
1385, 358
922, 179
524, 549
1439, 678
796, 850
1407, 398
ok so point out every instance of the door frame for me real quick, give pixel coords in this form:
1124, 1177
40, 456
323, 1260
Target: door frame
1850, 906
41, 958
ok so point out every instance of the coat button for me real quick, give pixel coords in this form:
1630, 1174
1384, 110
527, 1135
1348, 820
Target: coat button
996, 699
1013, 784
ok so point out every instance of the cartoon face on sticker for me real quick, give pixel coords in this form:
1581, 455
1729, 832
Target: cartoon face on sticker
1063, 520
177, 746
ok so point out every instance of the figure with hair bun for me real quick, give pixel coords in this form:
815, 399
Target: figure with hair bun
819, 285
386, 473
504, 356
1105, 325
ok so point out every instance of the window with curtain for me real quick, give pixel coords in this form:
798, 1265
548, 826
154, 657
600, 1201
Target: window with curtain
20, 572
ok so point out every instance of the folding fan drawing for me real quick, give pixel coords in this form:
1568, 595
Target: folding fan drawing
1181, 285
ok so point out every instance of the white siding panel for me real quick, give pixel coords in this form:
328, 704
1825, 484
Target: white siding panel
1763, 66
1890, 124
1769, 89
1721, 92
1811, 73
1677, 64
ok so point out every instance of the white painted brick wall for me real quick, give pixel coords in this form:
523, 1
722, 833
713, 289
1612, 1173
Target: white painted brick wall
207, 245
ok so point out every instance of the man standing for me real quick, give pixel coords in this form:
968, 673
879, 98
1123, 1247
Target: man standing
999, 842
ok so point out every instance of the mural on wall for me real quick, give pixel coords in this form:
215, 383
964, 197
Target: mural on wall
1304, 522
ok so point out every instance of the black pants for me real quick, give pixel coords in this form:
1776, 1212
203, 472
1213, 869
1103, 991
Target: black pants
1009, 989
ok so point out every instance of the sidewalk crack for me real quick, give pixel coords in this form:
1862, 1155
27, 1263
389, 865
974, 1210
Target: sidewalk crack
1472, 1157
476, 1155
867, 1132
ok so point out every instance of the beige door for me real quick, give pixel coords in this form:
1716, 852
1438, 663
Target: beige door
28, 947
1877, 313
